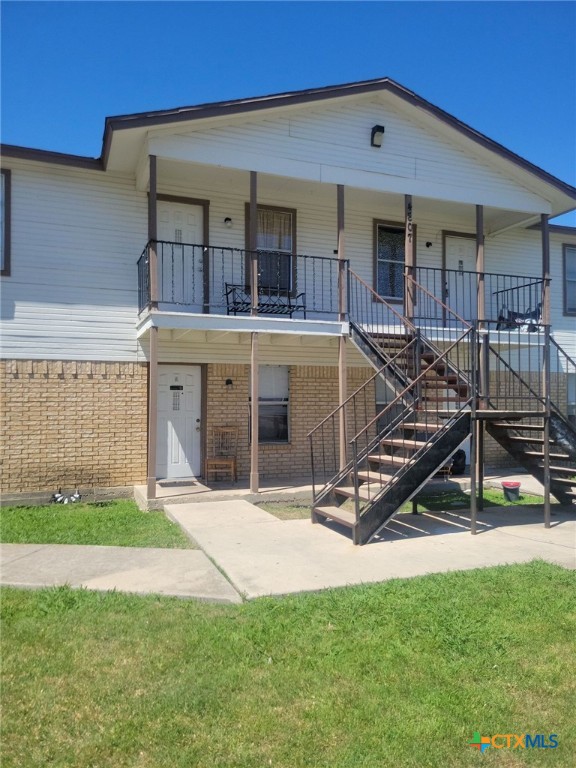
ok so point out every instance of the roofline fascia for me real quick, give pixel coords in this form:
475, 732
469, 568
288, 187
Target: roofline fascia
46, 156
562, 229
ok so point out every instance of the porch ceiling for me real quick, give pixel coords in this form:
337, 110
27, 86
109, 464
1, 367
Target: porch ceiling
197, 180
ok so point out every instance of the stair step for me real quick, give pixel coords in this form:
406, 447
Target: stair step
380, 478
365, 492
565, 481
566, 470
393, 461
453, 399
489, 414
417, 426
401, 442
553, 456
508, 425
440, 383
523, 439
337, 514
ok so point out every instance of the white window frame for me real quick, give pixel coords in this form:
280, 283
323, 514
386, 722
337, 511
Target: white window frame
399, 227
273, 392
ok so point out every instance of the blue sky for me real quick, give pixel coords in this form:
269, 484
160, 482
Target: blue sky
507, 69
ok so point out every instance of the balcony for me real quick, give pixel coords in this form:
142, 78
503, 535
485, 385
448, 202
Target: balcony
210, 280
511, 302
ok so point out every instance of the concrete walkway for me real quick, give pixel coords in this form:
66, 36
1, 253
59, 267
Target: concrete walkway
247, 552
176, 572
262, 555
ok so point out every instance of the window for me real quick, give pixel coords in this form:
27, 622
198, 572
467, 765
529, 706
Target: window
276, 244
5, 180
389, 258
273, 404
570, 279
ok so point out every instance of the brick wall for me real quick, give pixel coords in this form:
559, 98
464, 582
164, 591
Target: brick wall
72, 424
313, 395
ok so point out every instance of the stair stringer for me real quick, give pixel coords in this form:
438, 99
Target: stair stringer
411, 478
375, 356
530, 464
563, 434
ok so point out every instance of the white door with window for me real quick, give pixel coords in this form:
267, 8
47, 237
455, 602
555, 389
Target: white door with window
460, 283
180, 255
179, 421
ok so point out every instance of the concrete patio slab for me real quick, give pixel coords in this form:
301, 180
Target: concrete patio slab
175, 572
275, 557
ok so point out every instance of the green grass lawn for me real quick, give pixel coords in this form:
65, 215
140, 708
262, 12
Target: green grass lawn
399, 674
435, 501
110, 523
457, 499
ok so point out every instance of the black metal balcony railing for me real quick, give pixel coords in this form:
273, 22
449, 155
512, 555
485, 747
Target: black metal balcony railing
214, 280
208, 279
510, 301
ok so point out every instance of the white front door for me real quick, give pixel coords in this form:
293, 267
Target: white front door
180, 230
179, 426
180, 223
460, 284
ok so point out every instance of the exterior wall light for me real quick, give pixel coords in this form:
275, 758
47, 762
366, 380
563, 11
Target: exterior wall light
228, 222
377, 136
229, 384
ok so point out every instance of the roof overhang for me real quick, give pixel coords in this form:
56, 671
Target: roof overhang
140, 124
126, 137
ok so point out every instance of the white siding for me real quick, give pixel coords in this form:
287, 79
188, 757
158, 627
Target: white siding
76, 237
332, 144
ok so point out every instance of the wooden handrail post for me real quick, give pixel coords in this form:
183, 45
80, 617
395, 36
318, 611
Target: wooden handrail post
408, 258
153, 232
481, 288
152, 413
253, 241
342, 367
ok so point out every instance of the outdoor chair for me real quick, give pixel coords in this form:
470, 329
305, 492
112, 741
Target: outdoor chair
221, 458
529, 321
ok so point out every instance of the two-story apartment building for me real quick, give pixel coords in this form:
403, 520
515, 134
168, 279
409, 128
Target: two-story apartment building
253, 263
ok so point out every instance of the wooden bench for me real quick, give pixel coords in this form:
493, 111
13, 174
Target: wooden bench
270, 301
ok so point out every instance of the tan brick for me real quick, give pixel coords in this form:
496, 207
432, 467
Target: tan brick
60, 427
